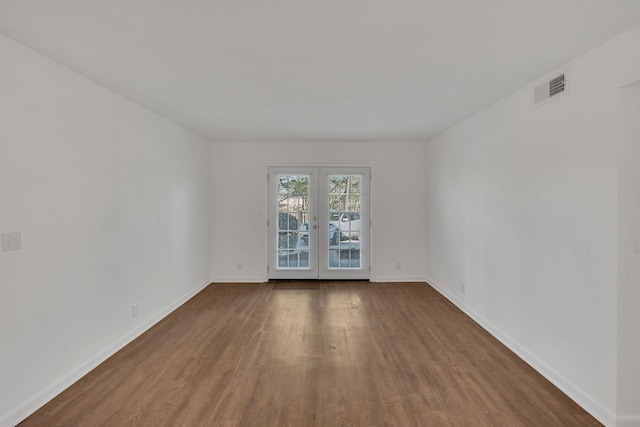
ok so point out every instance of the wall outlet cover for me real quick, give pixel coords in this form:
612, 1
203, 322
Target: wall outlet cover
11, 241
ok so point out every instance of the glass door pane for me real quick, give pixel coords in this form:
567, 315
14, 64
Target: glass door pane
344, 220
293, 226
293, 221
344, 214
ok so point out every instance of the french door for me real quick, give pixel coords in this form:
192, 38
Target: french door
318, 223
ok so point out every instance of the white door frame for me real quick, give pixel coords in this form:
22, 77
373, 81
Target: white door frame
321, 256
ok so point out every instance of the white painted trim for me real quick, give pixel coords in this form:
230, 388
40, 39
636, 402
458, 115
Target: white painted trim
261, 279
318, 209
589, 404
628, 421
398, 279
240, 279
40, 399
321, 164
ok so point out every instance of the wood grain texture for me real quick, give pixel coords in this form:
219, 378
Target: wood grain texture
346, 354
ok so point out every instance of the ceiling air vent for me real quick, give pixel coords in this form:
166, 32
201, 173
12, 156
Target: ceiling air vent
556, 86
549, 89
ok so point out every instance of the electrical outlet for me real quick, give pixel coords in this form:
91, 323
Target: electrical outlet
135, 310
11, 241
398, 266
239, 267
463, 288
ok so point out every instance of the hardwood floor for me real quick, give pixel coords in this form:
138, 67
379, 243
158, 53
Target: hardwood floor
346, 353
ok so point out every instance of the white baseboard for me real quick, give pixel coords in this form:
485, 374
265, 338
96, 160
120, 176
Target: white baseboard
239, 279
262, 279
589, 404
398, 279
40, 399
592, 406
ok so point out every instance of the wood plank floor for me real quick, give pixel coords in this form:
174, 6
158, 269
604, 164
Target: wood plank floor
344, 354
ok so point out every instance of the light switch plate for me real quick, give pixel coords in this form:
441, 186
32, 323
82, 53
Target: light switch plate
11, 241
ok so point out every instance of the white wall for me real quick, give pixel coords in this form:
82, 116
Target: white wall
629, 255
239, 186
113, 203
522, 208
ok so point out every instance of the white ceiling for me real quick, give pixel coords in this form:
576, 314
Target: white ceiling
315, 70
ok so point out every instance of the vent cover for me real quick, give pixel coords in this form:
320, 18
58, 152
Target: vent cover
556, 86
549, 89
